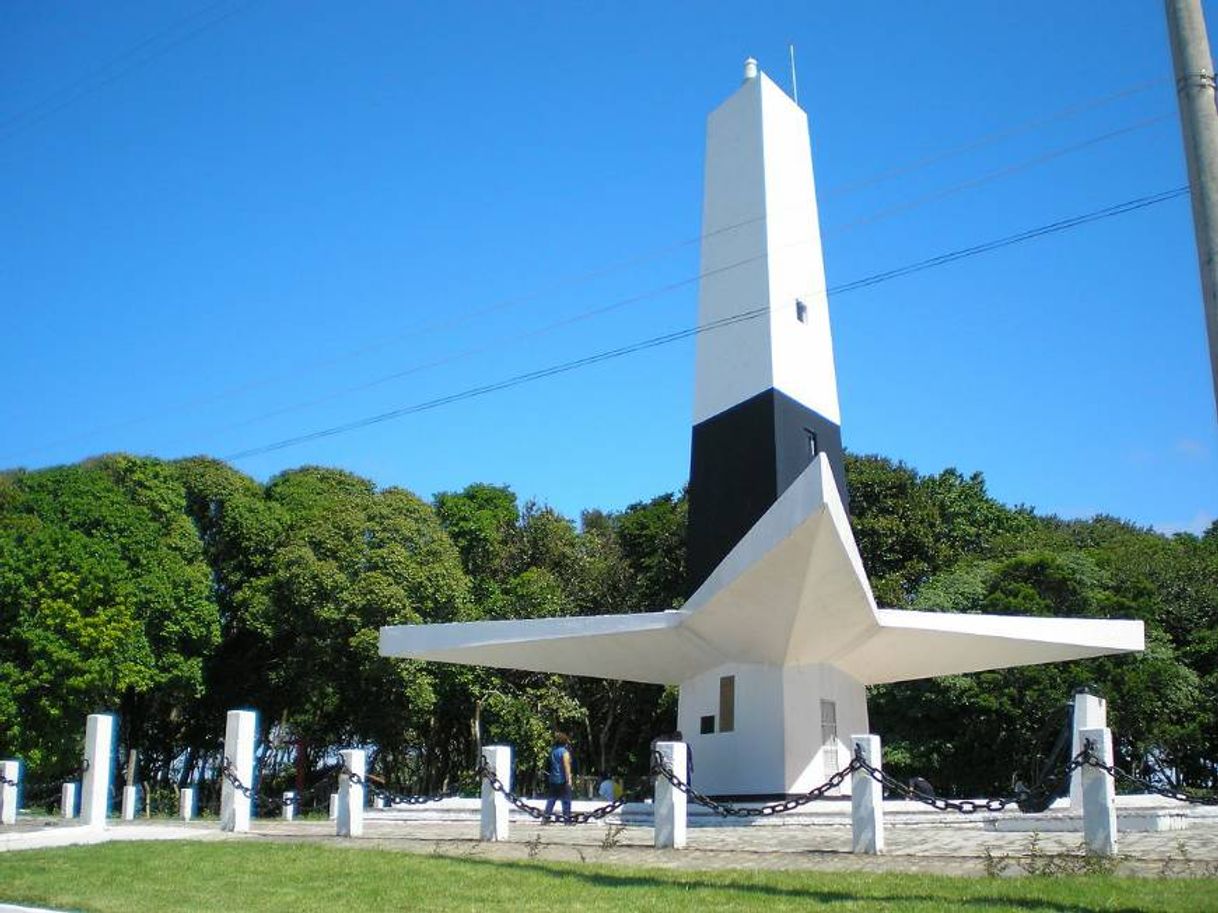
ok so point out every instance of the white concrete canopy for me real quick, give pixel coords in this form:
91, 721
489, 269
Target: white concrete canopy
799, 565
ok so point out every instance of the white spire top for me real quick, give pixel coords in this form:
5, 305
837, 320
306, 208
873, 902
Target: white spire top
761, 247
750, 69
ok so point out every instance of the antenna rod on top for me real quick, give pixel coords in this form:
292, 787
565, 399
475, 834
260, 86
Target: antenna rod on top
794, 84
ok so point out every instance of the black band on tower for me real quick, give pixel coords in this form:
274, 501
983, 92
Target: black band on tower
741, 460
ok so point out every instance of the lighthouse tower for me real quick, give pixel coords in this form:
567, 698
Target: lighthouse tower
765, 395
765, 406
781, 635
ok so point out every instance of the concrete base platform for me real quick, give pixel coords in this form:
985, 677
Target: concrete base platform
1135, 814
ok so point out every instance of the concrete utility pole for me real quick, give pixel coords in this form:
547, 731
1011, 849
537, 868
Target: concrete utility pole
1194, 68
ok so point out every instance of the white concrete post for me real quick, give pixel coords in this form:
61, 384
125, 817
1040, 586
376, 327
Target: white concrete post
1090, 712
351, 793
867, 798
131, 802
494, 825
333, 806
67, 801
670, 801
99, 764
289, 805
1099, 797
240, 729
186, 803
378, 802
11, 771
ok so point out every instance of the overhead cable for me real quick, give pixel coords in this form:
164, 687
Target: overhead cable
117, 67
667, 338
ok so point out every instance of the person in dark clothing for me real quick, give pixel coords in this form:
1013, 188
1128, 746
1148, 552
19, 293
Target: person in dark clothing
922, 785
558, 777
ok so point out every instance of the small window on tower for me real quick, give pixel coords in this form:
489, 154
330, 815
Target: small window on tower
708, 725
812, 449
727, 703
801, 311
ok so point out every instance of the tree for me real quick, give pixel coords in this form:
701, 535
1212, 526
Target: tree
971, 734
107, 586
910, 526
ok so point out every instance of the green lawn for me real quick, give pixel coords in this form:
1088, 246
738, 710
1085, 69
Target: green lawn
248, 876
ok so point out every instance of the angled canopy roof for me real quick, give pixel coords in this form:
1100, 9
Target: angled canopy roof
792, 592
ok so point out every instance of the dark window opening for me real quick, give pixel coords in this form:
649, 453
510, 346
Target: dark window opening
813, 450
801, 311
727, 703
708, 725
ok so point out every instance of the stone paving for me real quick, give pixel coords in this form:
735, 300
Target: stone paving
957, 848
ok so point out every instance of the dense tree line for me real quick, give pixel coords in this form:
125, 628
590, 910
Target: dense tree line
170, 592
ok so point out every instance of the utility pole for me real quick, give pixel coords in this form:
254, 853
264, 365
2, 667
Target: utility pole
1194, 69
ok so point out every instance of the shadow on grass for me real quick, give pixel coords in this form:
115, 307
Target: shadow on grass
678, 880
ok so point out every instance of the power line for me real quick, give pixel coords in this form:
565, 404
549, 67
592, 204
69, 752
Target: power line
478, 350
1052, 228
106, 73
470, 315
467, 316
1005, 171
673, 286
994, 137
516, 381
667, 338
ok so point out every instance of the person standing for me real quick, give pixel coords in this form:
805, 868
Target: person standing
558, 777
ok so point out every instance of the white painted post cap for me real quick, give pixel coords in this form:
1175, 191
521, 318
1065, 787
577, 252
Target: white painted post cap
750, 69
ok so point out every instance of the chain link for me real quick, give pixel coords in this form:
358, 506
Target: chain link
84, 766
231, 776
1028, 800
299, 798
296, 800
661, 768
388, 795
269, 803
1093, 760
533, 811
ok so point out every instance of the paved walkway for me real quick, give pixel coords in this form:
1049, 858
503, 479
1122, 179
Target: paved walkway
956, 847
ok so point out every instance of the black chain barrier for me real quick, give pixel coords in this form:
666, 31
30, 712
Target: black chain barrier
726, 810
231, 776
47, 788
46, 794
536, 813
1027, 800
278, 803
269, 803
1093, 760
388, 795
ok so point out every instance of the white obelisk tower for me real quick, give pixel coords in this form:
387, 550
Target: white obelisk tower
765, 404
781, 635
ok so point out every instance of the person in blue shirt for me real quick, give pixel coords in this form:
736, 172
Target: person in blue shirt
558, 777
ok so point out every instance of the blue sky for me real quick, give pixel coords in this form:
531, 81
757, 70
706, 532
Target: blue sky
227, 224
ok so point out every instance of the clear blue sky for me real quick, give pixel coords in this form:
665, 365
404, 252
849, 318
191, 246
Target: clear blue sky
227, 224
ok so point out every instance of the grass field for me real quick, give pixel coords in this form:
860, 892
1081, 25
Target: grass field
253, 877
